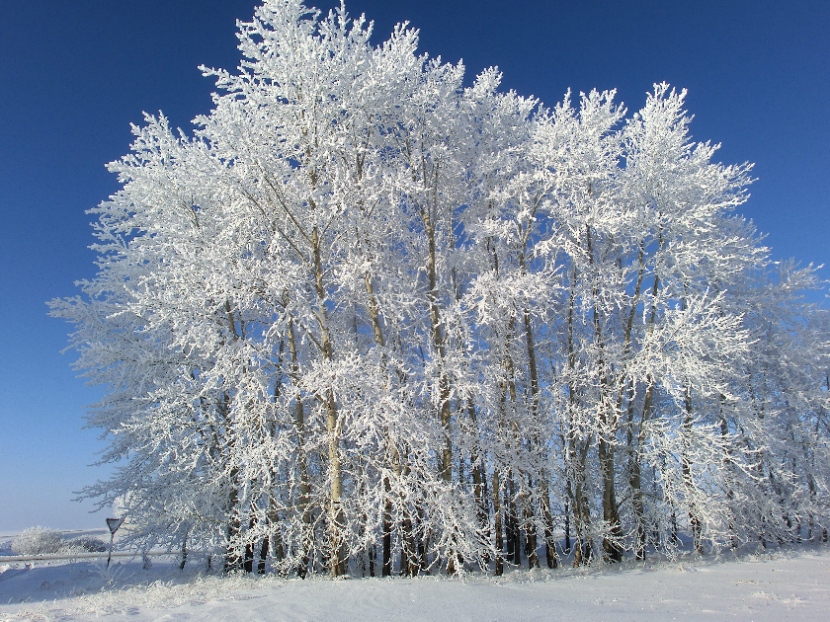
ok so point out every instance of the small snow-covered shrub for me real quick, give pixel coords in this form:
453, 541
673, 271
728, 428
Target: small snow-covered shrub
87, 544
38, 541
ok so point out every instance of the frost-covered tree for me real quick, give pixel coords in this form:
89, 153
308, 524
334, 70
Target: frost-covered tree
368, 318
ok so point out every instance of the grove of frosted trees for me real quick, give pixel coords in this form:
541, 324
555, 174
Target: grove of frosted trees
369, 320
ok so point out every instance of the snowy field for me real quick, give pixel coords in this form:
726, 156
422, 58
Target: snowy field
786, 585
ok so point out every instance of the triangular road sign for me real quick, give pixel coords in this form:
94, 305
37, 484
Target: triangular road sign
114, 524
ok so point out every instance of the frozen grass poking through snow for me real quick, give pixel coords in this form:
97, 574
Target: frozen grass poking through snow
788, 585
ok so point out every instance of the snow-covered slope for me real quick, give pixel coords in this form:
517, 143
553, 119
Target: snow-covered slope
792, 585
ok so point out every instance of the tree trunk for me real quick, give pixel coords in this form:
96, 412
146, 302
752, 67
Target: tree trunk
479, 482
639, 512
686, 466
410, 565
305, 487
531, 542
530, 524
337, 519
547, 517
568, 526
184, 552
263, 555
497, 515
583, 548
386, 568
514, 537
232, 559
248, 562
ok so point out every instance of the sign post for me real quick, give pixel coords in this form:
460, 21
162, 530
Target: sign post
113, 524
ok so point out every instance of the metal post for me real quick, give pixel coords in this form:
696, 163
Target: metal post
113, 524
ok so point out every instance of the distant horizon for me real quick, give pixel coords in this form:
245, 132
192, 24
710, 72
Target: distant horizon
5, 535
78, 525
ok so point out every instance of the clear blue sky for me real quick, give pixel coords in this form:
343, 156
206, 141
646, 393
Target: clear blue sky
74, 75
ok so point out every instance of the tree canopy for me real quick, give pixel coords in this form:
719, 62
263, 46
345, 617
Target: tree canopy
369, 318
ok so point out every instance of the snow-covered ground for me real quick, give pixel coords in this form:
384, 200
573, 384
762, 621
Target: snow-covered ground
786, 585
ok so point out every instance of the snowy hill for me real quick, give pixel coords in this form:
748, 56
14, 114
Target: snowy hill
790, 585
